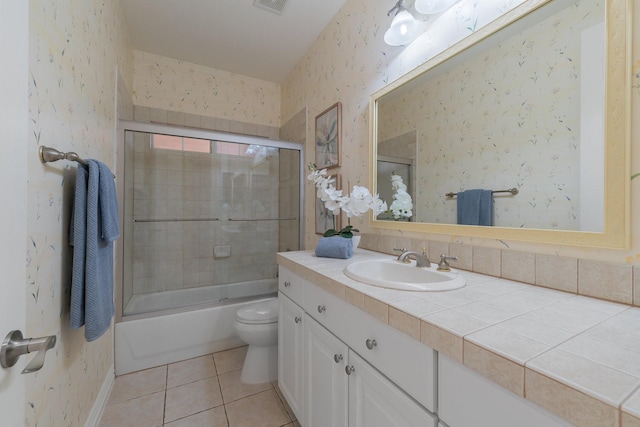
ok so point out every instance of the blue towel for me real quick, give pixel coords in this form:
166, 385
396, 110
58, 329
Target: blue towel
475, 207
94, 228
334, 247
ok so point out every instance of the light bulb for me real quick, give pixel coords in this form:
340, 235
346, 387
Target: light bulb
403, 30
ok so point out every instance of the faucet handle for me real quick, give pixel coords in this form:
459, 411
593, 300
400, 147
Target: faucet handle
401, 250
443, 265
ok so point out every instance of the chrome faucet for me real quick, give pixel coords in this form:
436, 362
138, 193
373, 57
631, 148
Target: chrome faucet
421, 259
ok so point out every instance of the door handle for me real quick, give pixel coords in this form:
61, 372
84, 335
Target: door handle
14, 346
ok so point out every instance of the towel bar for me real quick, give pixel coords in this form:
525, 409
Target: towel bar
48, 154
513, 192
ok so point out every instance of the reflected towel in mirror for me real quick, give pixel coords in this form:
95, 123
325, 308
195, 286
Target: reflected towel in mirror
475, 207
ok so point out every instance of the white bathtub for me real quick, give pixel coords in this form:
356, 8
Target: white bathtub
154, 339
154, 302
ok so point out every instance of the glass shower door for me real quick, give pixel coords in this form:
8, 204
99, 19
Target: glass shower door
204, 219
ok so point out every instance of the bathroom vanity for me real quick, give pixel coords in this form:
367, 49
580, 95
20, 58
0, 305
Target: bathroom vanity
338, 363
341, 364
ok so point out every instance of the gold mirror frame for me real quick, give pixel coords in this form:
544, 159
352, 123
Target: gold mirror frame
616, 233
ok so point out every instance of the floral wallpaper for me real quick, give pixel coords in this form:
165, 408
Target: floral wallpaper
462, 133
349, 61
175, 85
75, 47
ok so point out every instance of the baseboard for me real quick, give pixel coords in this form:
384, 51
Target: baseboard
101, 401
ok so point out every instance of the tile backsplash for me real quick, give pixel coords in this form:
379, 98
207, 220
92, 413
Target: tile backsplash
603, 280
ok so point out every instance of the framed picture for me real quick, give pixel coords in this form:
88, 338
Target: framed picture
325, 219
328, 134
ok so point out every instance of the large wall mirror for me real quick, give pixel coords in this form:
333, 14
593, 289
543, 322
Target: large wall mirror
534, 107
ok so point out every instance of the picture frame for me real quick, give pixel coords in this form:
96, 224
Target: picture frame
325, 219
328, 134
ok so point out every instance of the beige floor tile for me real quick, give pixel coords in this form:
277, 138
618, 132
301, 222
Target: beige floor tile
234, 389
263, 409
192, 398
190, 370
216, 417
138, 384
145, 411
230, 360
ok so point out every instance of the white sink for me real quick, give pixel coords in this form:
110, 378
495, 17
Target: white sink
392, 274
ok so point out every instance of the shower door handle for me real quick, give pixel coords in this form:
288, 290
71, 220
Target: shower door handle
263, 219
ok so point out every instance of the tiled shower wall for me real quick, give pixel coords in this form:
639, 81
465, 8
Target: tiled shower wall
169, 255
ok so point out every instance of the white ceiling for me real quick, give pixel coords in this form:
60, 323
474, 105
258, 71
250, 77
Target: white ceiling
230, 35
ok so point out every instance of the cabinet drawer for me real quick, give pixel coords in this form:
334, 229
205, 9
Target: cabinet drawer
291, 284
407, 362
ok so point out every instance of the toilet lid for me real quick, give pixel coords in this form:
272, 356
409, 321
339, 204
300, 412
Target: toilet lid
262, 312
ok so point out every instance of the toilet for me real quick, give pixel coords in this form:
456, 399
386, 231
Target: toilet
257, 325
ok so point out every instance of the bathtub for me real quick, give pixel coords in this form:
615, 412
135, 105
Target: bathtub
186, 328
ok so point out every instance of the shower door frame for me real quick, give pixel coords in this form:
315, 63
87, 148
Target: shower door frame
125, 125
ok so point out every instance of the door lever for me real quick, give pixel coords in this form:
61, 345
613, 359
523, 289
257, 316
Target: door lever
14, 346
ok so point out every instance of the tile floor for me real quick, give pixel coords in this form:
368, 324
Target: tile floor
205, 391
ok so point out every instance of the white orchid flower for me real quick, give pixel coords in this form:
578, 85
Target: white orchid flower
378, 206
402, 206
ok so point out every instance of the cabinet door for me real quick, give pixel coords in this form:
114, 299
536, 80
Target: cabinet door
326, 386
290, 354
374, 401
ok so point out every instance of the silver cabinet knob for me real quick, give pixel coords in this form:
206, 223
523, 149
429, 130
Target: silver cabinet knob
287, 284
337, 358
371, 343
321, 309
349, 369
298, 319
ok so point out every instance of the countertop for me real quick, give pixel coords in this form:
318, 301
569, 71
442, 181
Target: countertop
575, 356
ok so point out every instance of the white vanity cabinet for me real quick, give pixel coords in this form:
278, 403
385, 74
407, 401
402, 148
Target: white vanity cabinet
326, 381
357, 371
467, 399
291, 353
407, 362
376, 402
342, 389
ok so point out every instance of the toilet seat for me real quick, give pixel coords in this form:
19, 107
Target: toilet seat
259, 313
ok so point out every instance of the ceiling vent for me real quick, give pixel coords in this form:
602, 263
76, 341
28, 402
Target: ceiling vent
274, 6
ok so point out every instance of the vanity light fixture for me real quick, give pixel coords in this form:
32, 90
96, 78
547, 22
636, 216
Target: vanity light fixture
404, 27
432, 7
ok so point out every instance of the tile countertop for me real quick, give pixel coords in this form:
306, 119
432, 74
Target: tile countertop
576, 356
